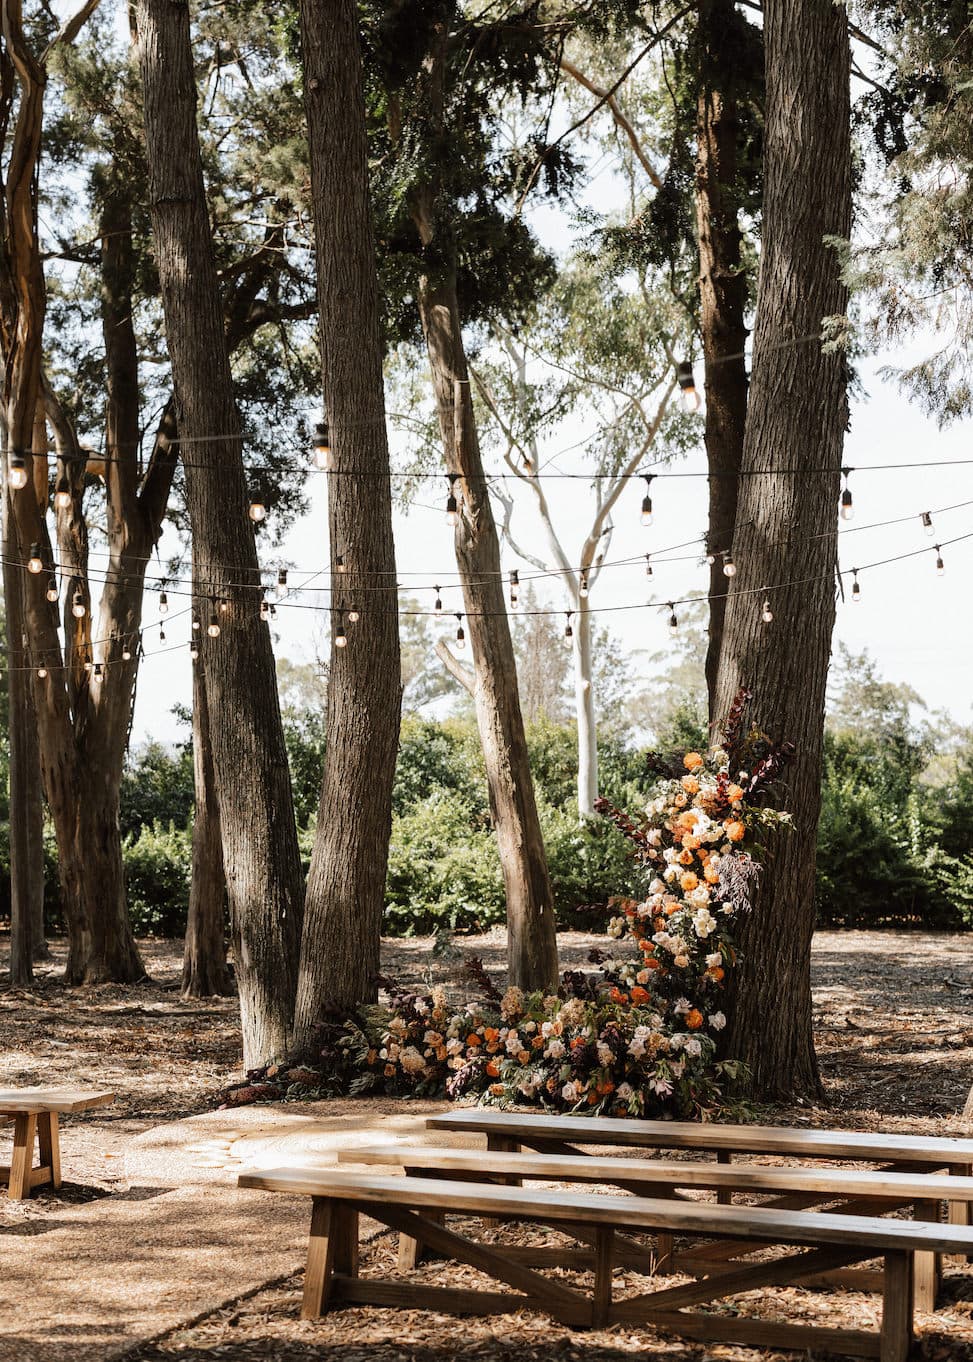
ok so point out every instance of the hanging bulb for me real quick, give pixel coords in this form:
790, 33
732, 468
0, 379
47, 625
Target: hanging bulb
339, 563
927, 524
77, 606
163, 603
52, 590
687, 385
452, 506
568, 631
273, 611
62, 497
438, 607
257, 512
353, 616
41, 672
856, 591
673, 621
195, 623
213, 628
16, 471
648, 565
99, 671
846, 507
126, 653
460, 633
514, 589
583, 586
35, 563
224, 605
940, 565
193, 649
729, 567
264, 610
766, 614
647, 500
281, 584
162, 634
87, 665
321, 447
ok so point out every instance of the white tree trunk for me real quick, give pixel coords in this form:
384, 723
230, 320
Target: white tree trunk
584, 703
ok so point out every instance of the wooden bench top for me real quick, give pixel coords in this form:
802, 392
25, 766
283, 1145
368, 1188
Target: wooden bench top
744, 1139
842, 1182
629, 1212
16, 1101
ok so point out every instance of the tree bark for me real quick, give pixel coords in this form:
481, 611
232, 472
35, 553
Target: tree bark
584, 703
785, 542
723, 299
204, 968
346, 884
21, 772
260, 847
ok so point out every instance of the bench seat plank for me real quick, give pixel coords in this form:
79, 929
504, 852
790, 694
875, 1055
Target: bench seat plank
34, 1113
13, 1101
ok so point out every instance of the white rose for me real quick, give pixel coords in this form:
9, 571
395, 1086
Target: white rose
717, 1021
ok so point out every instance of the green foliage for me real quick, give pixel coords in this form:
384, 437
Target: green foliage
158, 873
157, 787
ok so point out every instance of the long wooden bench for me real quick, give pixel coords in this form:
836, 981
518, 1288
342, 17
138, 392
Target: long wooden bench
34, 1113
858, 1192
418, 1206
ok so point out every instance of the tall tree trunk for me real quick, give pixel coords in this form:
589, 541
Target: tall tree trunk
204, 968
584, 701
39, 948
531, 939
722, 296
21, 773
786, 520
261, 855
346, 885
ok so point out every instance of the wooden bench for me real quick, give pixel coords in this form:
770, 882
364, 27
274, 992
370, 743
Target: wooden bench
858, 1192
418, 1206
35, 1112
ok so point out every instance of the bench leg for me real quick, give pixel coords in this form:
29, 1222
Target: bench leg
501, 1144
724, 1195
25, 1130
897, 1299
927, 1265
959, 1212
604, 1256
320, 1258
48, 1139
412, 1251
665, 1247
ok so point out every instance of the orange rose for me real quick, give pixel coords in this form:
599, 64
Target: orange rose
639, 995
493, 1069
711, 876
685, 857
523, 1057
537, 1043
694, 1019
651, 962
735, 830
491, 1033
734, 792
474, 1039
716, 973
692, 761
688, 882
617, 996
690, 784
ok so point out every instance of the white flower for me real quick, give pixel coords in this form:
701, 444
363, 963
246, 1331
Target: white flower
616, 927
411, 1060
672, 873
713, 960
529, 1026
644, 976
555, 1048
421, 1007
693, 1047
624, 1092
681, 961
727, 905
571, 1012
662, 1086
720, 757
657, 887
704, 923
570, 1092
514, 1044
653, 837
670, 854
605, 1055
700, 896
454, 1046
681, 1006
717, 1021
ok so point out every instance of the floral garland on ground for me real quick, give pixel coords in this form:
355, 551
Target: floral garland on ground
635, 1037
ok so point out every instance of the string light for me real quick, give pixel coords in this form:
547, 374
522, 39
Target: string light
452, 506
78, 606
213, 628
62, 497
126, 652
193, 649
648, 565
729, 567
647, 500
687, 384
162, 634
514, 589
42, 672
847, 509
163, 603
460, 633
321, 447
766, 613
353, 615
195, 624
224, 605
99, 671
52, 590
264, 610
16, 471
257, 512
940, 565
583, 586
339, 563
35, 562
87, 665
673, 621
281, 584
856, 591
927, 524
438, 607
568, 631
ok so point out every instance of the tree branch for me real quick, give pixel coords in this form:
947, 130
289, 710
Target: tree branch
626, 127
457, 671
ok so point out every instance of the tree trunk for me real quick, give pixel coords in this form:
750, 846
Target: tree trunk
21, 773
531, 940
786, 519
204, 968
346, 885
39, 948
584, 699
723, 300
260, 849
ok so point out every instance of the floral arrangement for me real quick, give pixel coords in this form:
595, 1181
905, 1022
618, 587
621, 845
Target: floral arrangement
637, 1036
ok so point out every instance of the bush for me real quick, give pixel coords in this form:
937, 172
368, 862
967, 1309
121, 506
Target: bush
158, 872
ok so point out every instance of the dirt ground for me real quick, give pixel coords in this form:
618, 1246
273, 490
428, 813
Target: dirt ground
894, 1025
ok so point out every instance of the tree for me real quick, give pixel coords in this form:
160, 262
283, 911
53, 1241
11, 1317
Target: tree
260, 850
346, 883
791, 473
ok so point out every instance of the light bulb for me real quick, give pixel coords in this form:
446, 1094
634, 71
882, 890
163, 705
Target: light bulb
927, 524
583, 587
846, 507
193, 649
224, 605
940, 565
321, 447
767, 614
515, 588
195, 623
257, 512
452, 506
16, 472
460, 633
647, 501
568, 631
729, 567
353, 616
62, 499
281, 584
162, 634
52, 590
856, 591
163, 603
687, 386
77, 606
339, 563
35, 563
42, 672
87, 664
438, 607
126, 653
264, 610
99, 671
213, 628
673, 621
648, 566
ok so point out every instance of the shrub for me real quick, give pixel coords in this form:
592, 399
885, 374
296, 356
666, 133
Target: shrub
158, 872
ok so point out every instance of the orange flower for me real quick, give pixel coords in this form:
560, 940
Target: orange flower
639, 995
605, 1087
651, 962
689, 841
688, 882
694, 1019
685, 858
537, 1043
690, 784
523, 1057
716, 973
389, 1071
711, 876
371, 1057
672, 908
474, 1039
617, 996
496, 1089
734, 792
493, 1069
592, 1098
491, 1033
735, 830
692, 761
